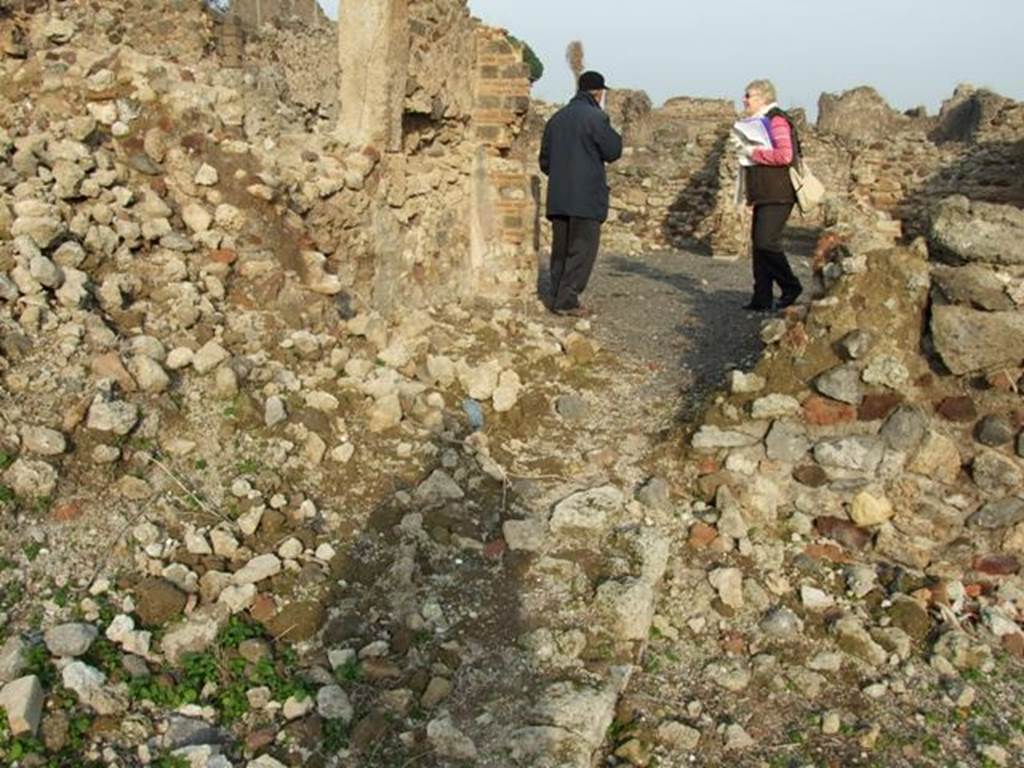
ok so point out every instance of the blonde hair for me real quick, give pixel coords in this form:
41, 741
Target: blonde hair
765, 88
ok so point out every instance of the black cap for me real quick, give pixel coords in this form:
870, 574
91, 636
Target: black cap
592, 81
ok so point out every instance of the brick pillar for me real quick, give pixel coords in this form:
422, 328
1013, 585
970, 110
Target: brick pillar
373, 42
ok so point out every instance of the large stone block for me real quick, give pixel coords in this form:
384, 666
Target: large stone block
969, 340
963, 230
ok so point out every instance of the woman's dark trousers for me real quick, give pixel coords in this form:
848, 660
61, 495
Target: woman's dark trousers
574, 244
770, 262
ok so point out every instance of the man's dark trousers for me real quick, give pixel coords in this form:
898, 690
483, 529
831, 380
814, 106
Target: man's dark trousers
574, 244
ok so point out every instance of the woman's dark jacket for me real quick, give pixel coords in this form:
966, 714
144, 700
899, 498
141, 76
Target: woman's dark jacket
770, 183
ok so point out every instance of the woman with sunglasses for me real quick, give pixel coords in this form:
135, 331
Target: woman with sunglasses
770, 192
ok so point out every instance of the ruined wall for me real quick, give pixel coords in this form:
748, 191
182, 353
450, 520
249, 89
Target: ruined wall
449, 202
255, 13
307, 58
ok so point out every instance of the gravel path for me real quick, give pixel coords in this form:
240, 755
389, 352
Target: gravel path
679, 314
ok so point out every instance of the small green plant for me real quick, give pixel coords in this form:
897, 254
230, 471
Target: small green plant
238, 631
7, 496
38, 663
32, 550
62, 595
249, 467
6, 460
335, 736
105, 656
200, 464
170, 761
349, 672
232, 702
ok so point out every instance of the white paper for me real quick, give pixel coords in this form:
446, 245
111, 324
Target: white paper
751, 133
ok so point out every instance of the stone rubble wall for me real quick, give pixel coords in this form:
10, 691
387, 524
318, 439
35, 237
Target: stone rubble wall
452, 209
307, 58
253, 14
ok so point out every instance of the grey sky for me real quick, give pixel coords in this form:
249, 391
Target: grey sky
913, 51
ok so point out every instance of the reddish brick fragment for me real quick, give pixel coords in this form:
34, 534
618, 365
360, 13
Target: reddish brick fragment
823, 412
828, 552
960, 408
997, 565
264, 607
67, 511
810, 475
876, 407
842, 531
702, 535
223, 256
495, 549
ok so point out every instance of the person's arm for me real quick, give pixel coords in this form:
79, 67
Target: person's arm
781, 151
545, 151
609, 142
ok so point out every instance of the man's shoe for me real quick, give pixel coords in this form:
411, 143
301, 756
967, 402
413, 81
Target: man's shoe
752, 307
578, 311
788, 299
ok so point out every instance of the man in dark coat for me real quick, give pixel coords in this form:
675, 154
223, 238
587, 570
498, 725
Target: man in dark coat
578, 141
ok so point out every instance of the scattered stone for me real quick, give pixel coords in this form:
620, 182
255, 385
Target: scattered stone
22, 700
70, 640
841, 383
729, 584
197, 633
774, 406
999, 514
655, 494
782, 623
855, 344
854, 640
209, 356
886, 371
12, 658
586, 511
256, 570
733, 675
332, 703
677, 736
908, 615
869, 509
92, 689
437, 691
745, 383
448, 741
736, 738
31, 479
157, 601
995, 473
905, 429
815, 599
938, 458
629, 604
115, 416
439, 487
